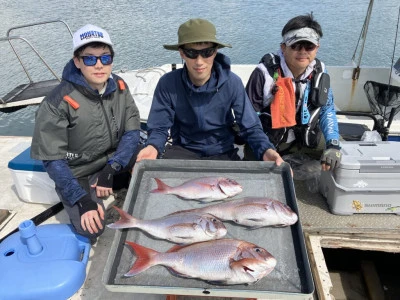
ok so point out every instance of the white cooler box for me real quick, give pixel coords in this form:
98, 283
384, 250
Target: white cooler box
31, 179
367, 181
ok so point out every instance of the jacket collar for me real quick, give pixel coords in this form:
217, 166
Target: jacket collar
287, 71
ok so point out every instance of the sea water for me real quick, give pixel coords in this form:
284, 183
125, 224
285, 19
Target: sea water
139, 28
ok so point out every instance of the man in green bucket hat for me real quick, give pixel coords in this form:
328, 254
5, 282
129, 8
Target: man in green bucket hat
198, 105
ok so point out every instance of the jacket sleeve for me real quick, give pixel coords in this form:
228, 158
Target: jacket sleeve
126, 148
50, 136
254, 89
249, 123
161, 116
65, 182
328, 120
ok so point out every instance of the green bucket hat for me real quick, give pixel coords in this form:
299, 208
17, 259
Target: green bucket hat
195, 31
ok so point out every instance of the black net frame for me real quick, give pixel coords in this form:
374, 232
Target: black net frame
382, 98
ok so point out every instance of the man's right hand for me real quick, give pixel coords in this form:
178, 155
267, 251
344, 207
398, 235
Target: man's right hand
148, 152
91, 213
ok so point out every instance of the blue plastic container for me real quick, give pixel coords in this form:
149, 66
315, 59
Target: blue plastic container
394, 138
44, 262
24, 162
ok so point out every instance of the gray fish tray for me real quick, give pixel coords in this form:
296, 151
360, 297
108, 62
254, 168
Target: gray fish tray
291, 277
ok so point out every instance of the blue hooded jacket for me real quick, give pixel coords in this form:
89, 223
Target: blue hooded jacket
200, 119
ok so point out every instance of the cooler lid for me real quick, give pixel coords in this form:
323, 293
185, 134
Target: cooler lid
24, 162
371, 157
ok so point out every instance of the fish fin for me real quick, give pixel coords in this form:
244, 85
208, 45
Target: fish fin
173, 272
209, 186
181, 228
126, 221
256, 227
242, 264
280, 225
182, 211
177, 248
162, 188
144, 259
219, 282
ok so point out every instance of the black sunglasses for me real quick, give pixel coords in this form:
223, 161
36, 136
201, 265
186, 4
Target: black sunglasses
306, 45
91, 60
193, 53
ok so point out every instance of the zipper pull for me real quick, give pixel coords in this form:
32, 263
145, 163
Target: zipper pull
114, 121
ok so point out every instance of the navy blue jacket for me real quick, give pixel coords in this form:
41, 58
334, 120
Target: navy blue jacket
200, 119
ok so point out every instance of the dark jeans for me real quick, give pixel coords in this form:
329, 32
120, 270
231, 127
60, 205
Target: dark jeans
121, 180
178, 152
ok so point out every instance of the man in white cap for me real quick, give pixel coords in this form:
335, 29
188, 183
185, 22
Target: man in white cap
193, 105
87, 131
291, 93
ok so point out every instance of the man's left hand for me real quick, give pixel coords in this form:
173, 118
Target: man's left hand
330, 159
104, 182
272, 155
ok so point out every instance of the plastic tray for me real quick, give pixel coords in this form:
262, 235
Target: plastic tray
291, 277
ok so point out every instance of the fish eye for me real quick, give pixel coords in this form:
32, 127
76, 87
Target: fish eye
258, 250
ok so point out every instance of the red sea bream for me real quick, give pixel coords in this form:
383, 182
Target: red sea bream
205, 189
179, 227
223, 262
253, 212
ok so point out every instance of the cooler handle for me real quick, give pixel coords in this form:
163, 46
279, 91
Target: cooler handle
86, 252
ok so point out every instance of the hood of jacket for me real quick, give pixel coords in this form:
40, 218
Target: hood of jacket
72, 74
219, 75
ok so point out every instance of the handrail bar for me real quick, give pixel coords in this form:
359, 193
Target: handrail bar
9, 38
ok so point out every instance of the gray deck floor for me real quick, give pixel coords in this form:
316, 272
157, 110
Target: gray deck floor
314, 215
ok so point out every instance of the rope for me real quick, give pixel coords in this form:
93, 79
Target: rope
394, 48
363, 33
391, 67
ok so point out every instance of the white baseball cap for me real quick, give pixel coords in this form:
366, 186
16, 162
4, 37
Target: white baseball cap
89, 34
302, 34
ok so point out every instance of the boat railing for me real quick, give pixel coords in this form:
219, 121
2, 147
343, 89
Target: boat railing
9, 38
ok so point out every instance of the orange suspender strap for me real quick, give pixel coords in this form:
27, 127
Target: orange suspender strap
72, 102
121, 85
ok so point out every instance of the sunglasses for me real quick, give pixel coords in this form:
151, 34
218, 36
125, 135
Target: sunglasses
91, 60
193, 53
306, 45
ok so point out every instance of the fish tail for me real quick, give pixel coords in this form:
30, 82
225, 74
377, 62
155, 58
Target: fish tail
161, 187
144, 259
126, 221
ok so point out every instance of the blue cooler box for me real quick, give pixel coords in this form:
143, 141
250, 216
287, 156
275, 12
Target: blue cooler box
31, 180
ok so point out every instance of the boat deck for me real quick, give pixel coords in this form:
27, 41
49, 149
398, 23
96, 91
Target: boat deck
319, 225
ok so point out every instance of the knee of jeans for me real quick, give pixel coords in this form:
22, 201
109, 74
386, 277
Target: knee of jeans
89, 235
